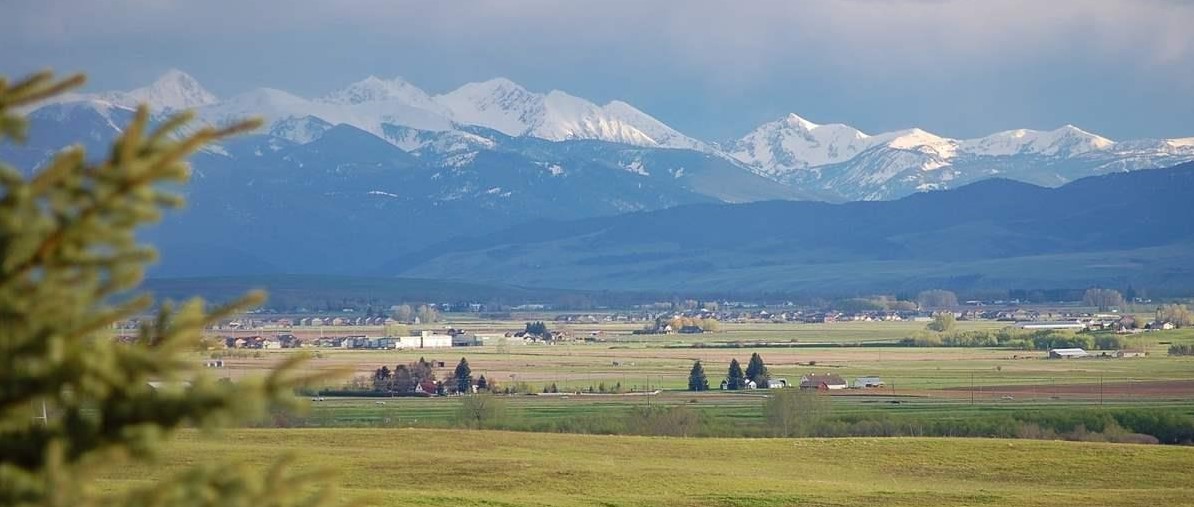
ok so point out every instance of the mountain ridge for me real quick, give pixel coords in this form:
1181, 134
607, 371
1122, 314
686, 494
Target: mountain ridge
991, 234
833, 161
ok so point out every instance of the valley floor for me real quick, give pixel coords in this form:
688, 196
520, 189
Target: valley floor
461, 467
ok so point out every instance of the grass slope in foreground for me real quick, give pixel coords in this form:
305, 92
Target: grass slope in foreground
445, 467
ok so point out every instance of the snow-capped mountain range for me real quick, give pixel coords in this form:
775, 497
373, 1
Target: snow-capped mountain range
498, 104
830, 161
841, 159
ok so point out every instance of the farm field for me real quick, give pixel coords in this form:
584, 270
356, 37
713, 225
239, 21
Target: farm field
461, 467
937, 383
663, 361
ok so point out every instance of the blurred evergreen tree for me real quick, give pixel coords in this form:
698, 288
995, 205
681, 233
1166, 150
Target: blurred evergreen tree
75, 401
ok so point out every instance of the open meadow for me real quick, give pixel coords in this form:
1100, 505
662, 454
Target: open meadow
453, 467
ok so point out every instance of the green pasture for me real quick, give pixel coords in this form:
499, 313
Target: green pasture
457, 467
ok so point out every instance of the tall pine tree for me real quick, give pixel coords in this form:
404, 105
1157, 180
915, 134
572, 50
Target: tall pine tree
735, 379
463, 377
70, 268
757, 371
696, 378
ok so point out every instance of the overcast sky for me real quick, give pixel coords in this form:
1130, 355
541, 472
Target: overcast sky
1121, 68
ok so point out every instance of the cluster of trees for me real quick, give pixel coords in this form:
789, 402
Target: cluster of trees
405, 378
1181, 349
943, 322
673, 421
686, 304
423, 314
483, 411
877, 303
1020, 339
1179, 315
795, 412
537, 328
678, 323
925, 300
1059, 340
1103, 299
937, 298
736, 378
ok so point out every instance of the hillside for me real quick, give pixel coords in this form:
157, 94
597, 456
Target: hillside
317, 291
1119, 229
350, 198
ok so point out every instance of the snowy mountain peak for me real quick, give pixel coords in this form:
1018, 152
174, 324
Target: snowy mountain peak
498, 91
796, 121
793, 143
1065, 141
507, 107
173, 90
660, 132
1070, 130
499, 84
498, 103
375, 89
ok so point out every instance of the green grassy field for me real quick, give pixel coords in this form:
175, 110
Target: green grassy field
455, 467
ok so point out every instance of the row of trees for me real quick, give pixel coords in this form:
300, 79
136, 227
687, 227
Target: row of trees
1103, 299
937, 298
678, 323
736, 378
1020, 339
423, 314
1179, 315
925, 300
1181, 349
805, 413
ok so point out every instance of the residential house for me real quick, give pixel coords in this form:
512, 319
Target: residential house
831, 381
1163, 326
427, 388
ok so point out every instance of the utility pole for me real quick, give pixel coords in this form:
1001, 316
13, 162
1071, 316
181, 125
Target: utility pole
45, 418
647, 393
971, 388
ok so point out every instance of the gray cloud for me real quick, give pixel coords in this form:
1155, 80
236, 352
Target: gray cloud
1121, 67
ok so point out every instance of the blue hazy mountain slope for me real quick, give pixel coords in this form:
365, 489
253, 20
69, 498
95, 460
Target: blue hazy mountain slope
1121, 228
